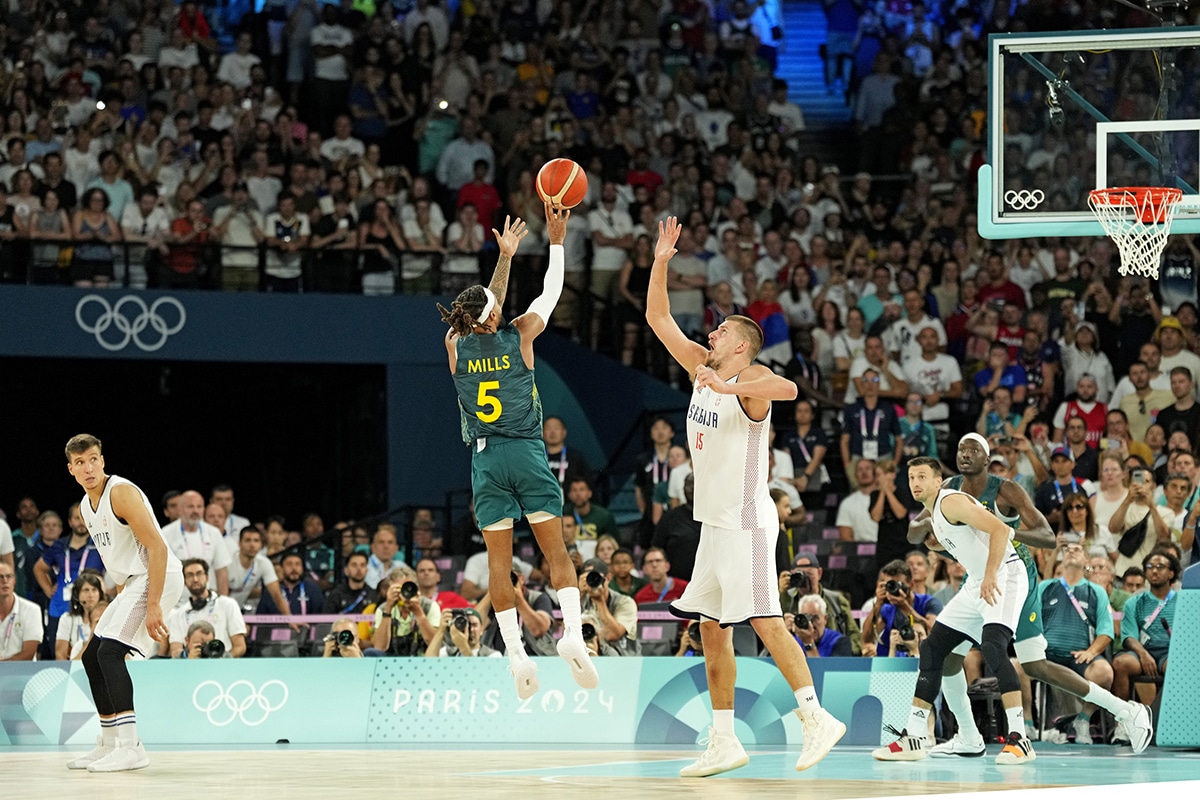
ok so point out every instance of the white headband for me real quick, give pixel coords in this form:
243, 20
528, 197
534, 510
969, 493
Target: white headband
982, 442
488, 306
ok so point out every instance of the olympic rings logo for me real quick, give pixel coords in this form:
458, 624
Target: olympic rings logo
130, 327
240, 701
1025, 199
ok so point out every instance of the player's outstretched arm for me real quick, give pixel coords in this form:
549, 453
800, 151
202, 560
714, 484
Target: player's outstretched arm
508, 242
127, 504
534, 321
658, 308
1035, 529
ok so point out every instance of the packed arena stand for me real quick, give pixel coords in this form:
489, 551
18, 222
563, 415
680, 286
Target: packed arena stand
372, 148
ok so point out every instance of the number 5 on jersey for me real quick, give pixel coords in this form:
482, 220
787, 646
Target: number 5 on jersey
486, 401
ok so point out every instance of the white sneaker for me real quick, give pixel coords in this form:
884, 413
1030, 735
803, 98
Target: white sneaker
127, 755
573, 650
959, 746
524, 672
100, 751
1083, 731
1140, 729
723, 754
821, 732
905, 748
1121, 734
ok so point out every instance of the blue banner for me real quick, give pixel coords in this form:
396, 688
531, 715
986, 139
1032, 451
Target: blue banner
422, 700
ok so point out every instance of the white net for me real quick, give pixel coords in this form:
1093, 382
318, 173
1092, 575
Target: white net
1138, 219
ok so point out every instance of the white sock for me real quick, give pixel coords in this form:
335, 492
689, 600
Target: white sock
806, 699
918, 722
126, 727
510, 631
568, 601
723, 721
954, 693
108, 734
1016, 720
1120, 709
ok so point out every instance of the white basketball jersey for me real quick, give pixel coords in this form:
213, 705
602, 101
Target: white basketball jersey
967, 544
123, 555
730, 463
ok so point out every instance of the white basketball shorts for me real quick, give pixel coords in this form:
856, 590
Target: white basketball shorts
125, 617
734, 579
967, 612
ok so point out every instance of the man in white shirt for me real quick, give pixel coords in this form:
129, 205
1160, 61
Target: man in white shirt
181, 53
332, 47
456, 166
385, 555
1170, 338
934, 375
424, 235
222, 495
687, 278
235, 66
343, 147
192, 537
1150, 354
788, 112
146, 226
6, 544
892, 383
854, 521
902, 333
20, 619
612, 239
240, 226
476, 576
263, 186
223, 613
287, 235
251, 572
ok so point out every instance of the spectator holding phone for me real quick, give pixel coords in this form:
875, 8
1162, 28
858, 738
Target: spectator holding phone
1136, 507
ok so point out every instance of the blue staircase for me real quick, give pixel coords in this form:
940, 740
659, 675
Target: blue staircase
801, 66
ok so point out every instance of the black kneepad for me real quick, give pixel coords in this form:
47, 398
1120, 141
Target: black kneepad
111, 652
995, 653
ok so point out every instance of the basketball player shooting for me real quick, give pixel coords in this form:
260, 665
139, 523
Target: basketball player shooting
985, 611
150, 578
493, 368
734, 579
1013, 506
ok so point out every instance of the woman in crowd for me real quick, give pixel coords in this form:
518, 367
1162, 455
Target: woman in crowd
75, 627
1078, 526
95, 232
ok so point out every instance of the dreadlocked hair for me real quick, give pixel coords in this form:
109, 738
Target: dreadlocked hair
463, 314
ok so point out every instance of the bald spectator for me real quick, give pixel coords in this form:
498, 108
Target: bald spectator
191, 537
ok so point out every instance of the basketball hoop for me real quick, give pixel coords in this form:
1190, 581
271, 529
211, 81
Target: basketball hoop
1138, 219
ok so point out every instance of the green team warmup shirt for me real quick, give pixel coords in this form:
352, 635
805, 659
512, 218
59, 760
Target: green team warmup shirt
1067, 631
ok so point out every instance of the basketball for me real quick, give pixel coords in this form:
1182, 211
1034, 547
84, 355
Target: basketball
562, 183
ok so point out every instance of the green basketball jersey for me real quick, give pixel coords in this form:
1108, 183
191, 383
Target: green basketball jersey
497, 395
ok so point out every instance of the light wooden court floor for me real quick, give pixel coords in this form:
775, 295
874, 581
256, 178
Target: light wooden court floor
294, 772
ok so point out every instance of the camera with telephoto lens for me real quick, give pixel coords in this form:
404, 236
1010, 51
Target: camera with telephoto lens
804, 621
513, 577
799, 581
694, 631
213, 649
408, 590
459, 619
595, 580
895, 588
589, 631
344, 638
906, 631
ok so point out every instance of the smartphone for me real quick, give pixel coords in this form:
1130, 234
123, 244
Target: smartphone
1138, 477
1110, 444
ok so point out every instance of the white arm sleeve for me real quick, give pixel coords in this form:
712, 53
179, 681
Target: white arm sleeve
544, 305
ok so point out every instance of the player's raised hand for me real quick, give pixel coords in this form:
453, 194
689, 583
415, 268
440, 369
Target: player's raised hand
556, 223
668, 235
514, 232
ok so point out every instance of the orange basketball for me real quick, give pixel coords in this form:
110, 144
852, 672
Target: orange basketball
562, 183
